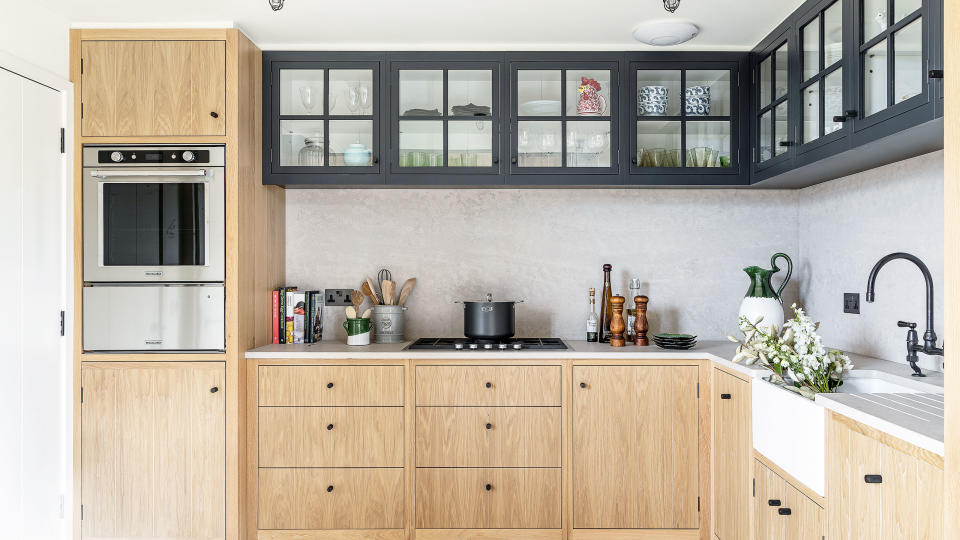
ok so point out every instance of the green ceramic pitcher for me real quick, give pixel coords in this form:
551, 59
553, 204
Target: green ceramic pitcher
762, 302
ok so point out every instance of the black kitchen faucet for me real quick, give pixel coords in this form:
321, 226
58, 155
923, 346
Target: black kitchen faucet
929, 335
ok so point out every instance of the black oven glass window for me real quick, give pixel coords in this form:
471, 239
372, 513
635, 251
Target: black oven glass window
159, 224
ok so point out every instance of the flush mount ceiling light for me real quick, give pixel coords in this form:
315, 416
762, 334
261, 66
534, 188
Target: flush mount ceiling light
665, 33
671, 5
277, 5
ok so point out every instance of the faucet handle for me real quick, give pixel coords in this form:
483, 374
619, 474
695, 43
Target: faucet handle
910, 325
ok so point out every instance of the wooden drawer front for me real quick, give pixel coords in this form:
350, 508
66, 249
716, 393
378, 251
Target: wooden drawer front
488, 385
782, 511
360, 499
459, 499
516, 437
331, 436
378, 386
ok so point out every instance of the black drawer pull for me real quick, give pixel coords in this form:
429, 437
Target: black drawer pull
329, 427
773, 502
488, 487
488, 385
726, 396
936, 74
786, 143
329, 385
329, 489
214, 114
489, 426
214, 390
784, 511
583, 385
873, 479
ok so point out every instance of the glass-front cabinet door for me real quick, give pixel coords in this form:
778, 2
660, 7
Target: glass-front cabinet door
772, 76
683, 118
822, 77
564, 118
326, 119
445, 118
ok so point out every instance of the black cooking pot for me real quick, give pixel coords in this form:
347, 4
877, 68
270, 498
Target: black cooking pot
488, 320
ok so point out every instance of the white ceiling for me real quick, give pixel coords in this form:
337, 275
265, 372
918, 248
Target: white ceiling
444, 24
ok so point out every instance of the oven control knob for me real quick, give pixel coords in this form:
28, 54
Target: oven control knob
517, 346
488, 346
473, 345
116, 157
188, 156
502, 346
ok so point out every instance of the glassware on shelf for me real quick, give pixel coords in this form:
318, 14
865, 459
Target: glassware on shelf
311, 155
363, 98
702, 156
353, 98
311, 96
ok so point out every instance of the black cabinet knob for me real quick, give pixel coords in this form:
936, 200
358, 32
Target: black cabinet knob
726, 396
489, 426
513, 160
496, 161
329, 385
935, 74
488, 385
633, 160
376, 159
214, 390
784, 511
773, 502
583, 385
329, 427
488, 487
329, 489
840, 119
873, 479
786, 143
214, 114
849, 113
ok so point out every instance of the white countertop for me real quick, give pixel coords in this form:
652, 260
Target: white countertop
915, 418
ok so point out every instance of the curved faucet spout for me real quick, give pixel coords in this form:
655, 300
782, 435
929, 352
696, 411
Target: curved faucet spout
871, 281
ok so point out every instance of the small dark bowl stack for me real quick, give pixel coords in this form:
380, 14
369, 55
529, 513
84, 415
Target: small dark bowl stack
677, 342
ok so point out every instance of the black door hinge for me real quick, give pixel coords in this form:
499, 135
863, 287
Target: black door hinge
698, 390
81, 394
81, 512
754, 487
81, 66
62, 323
63, 149
81, 109
698, 504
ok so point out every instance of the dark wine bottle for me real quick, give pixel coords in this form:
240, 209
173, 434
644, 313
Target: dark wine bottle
606, 307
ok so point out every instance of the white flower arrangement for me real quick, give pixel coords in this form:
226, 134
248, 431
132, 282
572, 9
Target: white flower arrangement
795, 355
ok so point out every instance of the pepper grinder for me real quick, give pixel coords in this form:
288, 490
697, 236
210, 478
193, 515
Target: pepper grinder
617, 326
640, 325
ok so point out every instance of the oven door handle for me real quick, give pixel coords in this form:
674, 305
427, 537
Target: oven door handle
121, 174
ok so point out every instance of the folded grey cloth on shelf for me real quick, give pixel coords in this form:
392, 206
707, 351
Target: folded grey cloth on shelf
421, 112
470, 110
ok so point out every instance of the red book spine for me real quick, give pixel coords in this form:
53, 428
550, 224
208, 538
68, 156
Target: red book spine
276, 316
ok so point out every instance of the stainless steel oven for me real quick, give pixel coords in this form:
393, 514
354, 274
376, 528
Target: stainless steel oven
153, 214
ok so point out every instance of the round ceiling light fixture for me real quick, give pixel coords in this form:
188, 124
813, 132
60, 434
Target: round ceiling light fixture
665, 33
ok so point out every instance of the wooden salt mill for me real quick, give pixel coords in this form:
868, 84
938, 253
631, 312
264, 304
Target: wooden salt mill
640, 325
617, 326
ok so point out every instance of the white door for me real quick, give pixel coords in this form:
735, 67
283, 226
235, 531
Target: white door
34, 390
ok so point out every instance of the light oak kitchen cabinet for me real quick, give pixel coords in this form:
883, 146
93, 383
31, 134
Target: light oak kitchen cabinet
880, 487
781, 510
152, 88
732, 455
152, 450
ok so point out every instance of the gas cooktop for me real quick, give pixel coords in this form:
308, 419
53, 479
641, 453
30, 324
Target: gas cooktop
466, 344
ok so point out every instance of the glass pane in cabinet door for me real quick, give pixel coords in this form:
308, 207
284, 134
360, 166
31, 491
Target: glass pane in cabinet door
588, 93
707, 93
301, 143
351, 92
832, 100
781, 64
811, 112
470, 143
810, 57
765, 94
421, 143
766, 134
780, 128
421, 92
833, 34
708, 144
539, 144
301, 91
588, 144
658, 93
874, 18
908, 61
351, 143
875, 78
659, 144
902, 8
470, 92
538, 92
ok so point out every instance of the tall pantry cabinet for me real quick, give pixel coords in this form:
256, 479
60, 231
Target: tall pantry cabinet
158, 438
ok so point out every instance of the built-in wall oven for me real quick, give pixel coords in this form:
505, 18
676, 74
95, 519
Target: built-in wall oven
153, 248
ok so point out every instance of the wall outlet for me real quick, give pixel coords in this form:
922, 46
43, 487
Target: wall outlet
337, 297
851, 303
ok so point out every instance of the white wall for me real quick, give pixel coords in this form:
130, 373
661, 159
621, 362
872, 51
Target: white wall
846, 226
37, 33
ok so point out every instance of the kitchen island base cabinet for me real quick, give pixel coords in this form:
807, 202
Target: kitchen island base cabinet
880, 487
636, 441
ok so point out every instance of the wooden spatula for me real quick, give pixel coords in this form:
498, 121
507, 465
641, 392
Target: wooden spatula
405, 291
367, 289
389, 288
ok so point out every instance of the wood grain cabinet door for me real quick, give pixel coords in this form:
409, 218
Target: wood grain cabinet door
501, 386
332, 386
732, 449
770, 498
635, 447
152, 450
208, 88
